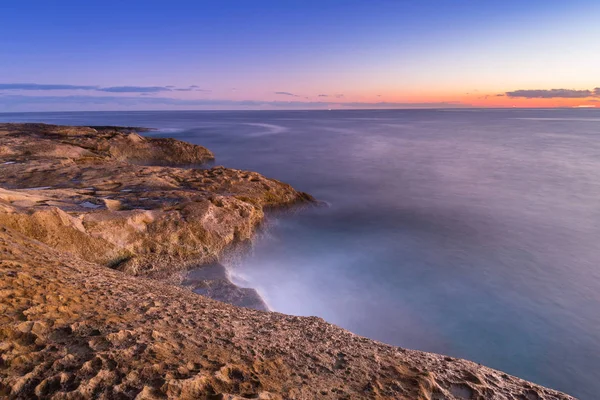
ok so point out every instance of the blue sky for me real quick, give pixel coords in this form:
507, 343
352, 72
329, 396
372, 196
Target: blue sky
110, 55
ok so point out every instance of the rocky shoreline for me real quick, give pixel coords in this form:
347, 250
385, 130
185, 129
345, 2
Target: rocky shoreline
96, 226
213, 281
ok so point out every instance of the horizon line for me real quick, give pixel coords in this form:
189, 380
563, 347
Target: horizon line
312, 109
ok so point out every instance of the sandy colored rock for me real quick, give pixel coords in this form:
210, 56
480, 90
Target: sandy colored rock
77, 190
72, 328
105, 142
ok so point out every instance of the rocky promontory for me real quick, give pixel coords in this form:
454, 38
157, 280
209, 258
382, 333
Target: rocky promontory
94, 222
100, 195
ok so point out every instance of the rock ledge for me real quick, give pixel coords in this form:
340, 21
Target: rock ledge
86, 216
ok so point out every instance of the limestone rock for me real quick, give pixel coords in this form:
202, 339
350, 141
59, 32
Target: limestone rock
74, 329
76, 200
88, 192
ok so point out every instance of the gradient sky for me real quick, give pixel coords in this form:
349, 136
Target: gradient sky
225, 54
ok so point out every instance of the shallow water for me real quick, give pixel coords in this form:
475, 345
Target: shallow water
473, 233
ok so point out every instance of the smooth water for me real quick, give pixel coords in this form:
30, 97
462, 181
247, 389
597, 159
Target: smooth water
473, 233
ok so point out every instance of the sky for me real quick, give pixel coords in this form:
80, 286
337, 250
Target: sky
298, 54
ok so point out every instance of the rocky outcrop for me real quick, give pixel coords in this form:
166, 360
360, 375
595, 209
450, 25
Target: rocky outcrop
71, 328
76, 190
213, 281
103, 142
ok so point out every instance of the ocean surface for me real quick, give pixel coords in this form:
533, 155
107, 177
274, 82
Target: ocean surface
473, 233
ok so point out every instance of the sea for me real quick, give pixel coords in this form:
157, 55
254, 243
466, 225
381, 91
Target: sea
469, 232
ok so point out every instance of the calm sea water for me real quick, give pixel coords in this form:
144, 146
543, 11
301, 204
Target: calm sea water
474, 233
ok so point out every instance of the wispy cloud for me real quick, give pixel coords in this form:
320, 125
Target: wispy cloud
134, 89
192, 88
38, 86
323, 95
287, 94
98, 88
551, 94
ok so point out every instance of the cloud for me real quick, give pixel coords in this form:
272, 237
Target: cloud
192, 88
37, 86
551, 94
339, 96
597, 92
97, 88
287, 94
323, 95
134, 89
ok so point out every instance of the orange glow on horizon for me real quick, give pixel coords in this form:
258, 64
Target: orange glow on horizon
476, 99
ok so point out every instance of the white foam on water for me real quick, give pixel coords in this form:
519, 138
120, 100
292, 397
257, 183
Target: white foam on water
165, 130
270, 129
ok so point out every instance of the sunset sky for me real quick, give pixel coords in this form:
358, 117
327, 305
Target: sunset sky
298, 54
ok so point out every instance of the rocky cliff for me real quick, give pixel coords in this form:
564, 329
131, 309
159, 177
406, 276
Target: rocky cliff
98, 194
88, 216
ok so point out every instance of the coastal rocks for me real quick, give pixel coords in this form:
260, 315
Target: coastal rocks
122, 144
93, 202
83, 223
73, 329
213, 281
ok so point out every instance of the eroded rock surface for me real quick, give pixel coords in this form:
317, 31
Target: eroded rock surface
76, 190
104, 142
71, 328
213, 281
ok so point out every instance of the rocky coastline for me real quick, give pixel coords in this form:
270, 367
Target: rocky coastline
101, 234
